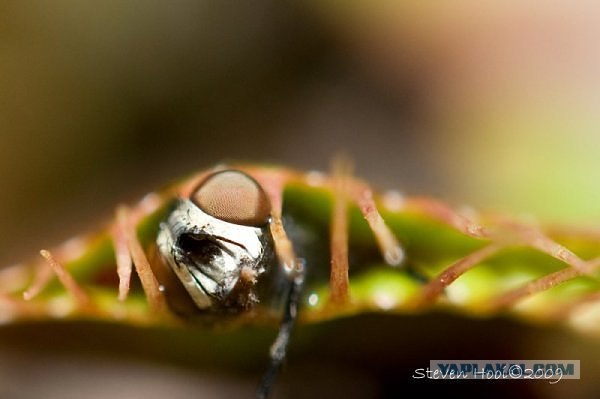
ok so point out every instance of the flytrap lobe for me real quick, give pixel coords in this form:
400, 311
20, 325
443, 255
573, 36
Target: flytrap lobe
252, 244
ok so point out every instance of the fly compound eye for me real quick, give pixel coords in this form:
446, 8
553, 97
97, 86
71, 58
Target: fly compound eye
217, 242
234, 197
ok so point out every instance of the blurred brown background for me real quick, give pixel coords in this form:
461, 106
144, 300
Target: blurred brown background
490, 105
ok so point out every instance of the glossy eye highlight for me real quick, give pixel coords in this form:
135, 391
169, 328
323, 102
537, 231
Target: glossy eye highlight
234, 197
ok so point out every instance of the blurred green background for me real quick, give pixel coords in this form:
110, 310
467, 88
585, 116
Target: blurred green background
495, 105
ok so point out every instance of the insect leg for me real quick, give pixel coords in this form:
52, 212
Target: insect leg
140, 261
273, 181
339, 280
278, 350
